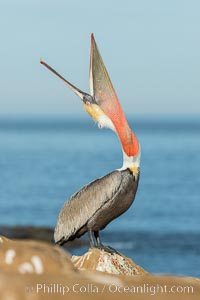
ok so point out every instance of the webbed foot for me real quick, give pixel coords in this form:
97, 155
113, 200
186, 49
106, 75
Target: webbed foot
108, 249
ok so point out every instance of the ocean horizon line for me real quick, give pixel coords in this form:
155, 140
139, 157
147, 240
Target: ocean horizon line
150, 116
73, 122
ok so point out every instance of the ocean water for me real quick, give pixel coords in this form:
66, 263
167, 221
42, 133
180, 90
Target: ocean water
44, 161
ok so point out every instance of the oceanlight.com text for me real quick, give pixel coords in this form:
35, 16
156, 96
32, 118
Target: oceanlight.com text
91, 288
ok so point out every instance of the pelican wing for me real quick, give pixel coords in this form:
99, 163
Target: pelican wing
80, 208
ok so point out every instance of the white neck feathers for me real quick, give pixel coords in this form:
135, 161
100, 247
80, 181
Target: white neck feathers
130, 161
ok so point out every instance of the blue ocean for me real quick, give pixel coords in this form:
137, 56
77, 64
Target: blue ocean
43, 161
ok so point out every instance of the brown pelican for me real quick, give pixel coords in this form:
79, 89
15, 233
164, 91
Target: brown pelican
98, 203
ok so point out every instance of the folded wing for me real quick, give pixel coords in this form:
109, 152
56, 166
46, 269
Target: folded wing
81, 207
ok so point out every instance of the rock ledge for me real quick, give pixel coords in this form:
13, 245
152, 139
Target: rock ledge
32, 270
99, 260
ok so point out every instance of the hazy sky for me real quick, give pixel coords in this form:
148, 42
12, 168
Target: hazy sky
151, 50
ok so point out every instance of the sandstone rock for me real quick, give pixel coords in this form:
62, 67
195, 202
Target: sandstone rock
15, 286
99, 260
33, 257
48, 274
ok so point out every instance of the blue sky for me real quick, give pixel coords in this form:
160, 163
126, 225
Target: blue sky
151, 50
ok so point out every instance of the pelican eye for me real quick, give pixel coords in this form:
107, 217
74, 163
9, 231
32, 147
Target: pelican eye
87, 99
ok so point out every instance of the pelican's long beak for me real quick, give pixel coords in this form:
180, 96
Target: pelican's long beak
103, 92
84, 96
103, 104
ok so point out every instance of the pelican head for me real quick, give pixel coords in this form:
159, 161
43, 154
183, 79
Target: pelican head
103, 106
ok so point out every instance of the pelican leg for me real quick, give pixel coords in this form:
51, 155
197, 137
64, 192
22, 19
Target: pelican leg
99, 242
91, 237
103, 247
